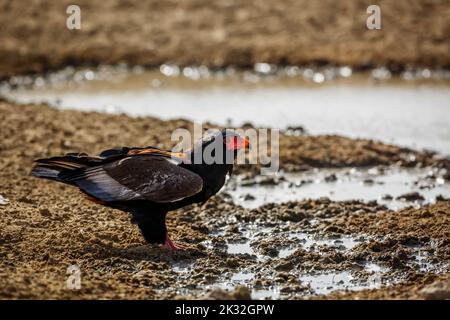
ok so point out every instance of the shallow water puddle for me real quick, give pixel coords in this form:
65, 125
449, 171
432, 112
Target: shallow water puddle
239, 248
390, 186
310, 242
245, 278
423, 259
410, 113
300, 239
318, 283
325, 283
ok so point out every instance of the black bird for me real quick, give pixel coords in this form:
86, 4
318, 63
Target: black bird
148, 182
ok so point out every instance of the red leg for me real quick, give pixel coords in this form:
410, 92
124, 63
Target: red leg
172, 246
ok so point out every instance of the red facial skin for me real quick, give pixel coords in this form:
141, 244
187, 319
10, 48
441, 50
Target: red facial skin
236, 143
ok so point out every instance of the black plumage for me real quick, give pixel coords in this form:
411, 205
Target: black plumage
146, 182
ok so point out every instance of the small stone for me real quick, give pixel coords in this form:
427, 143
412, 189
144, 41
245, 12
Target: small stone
249, 197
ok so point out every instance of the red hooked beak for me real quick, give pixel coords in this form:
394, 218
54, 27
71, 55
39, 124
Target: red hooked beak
237, 143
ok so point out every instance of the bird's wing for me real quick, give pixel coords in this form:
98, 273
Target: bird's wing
138, 177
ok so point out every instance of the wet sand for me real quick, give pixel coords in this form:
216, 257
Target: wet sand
34, 36
48, 226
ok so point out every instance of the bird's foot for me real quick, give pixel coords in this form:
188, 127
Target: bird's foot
173, 246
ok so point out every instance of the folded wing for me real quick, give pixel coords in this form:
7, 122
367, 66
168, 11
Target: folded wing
138, 177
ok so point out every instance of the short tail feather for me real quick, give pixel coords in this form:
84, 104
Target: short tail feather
56, 168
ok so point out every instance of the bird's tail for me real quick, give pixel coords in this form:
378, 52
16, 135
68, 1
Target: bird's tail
55, 168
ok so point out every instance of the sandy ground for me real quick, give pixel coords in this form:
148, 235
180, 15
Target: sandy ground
34, 36
47, 226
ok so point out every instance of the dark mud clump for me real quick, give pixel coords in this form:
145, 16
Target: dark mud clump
411, 196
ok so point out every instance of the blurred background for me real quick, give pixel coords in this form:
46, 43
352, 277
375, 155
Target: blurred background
220, 33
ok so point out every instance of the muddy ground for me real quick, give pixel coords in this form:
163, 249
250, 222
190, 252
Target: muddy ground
46, 227
34, 36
